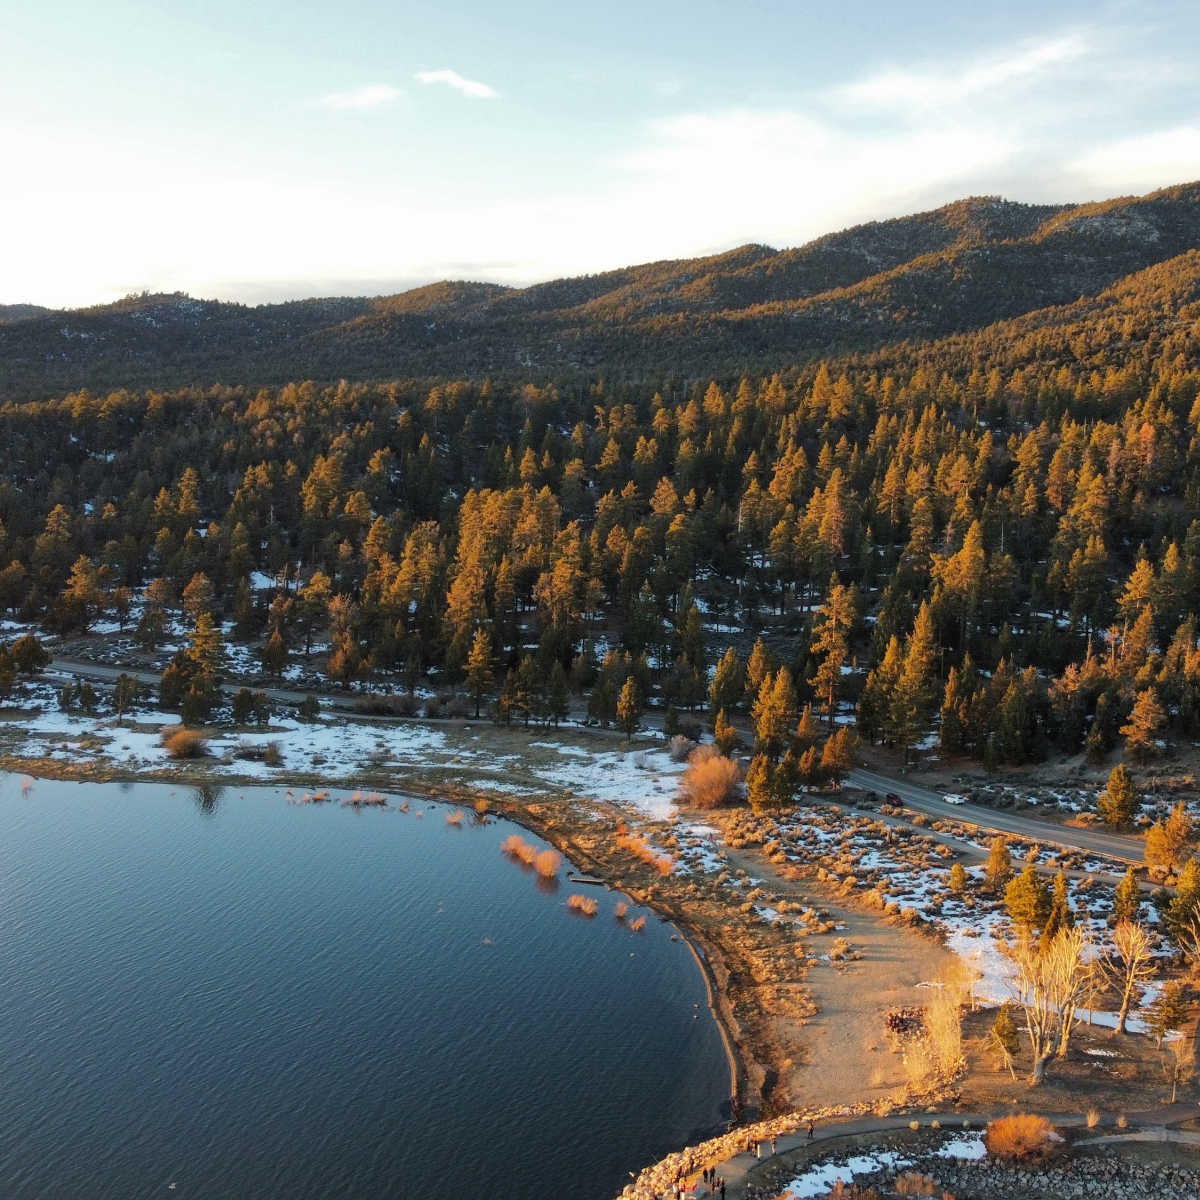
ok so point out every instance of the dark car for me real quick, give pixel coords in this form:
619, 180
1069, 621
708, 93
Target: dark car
892, 798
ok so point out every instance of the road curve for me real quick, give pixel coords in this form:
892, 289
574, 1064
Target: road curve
1097, 841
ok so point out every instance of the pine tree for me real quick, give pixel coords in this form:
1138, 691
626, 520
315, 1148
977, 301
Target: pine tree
807, 731
1027, 900
830, 645
999, 864
1184, 906
479, 668
629, 707
1144, 725
1118, 804
724, 734
1127, 897
958, 878
206, 647
558, 700
912, 702
1168, 1012
876, 704
760, 664
760, 789
274, 654
727, 685
774, 712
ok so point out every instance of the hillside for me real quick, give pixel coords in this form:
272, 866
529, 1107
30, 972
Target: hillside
952, 270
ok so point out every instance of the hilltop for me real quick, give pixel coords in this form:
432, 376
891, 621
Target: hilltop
953, 270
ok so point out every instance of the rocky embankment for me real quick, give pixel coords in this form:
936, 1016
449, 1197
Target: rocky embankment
1109, 1176
657, 1180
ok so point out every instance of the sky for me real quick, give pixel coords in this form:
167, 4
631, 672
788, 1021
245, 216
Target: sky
259, 150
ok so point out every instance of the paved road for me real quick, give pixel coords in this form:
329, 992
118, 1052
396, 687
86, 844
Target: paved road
1112, 845
95, 670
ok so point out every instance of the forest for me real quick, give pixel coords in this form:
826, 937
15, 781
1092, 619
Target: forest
987, 541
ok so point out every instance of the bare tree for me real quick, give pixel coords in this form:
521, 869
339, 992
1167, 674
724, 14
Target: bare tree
1128, 965
1051, 981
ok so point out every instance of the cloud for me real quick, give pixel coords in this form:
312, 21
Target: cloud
1147, 161
468, 87
372, 95
923, 90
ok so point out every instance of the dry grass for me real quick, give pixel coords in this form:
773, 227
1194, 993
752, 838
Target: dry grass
517, 847
584, 905
183, 743
664, 864
711, 780
1093, 1118
621, 910
455, 817
1023, 1135
638, 925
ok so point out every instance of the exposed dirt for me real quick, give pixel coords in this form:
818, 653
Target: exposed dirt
841, 1053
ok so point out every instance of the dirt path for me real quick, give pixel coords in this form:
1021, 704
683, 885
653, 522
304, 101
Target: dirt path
843, 1051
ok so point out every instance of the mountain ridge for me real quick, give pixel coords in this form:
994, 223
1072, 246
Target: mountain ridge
963, 266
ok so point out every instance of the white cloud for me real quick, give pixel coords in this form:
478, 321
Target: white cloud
1145, 162
372, 95
931, 89
468, 87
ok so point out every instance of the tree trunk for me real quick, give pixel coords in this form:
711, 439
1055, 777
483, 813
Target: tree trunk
1038, 1075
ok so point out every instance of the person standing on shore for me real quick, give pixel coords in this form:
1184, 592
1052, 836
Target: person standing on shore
811, 1128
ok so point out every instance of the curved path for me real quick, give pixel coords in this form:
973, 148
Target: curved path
1111, 845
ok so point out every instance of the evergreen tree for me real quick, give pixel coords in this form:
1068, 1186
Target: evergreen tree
1027, 900
728, 683
479, 668
774, 713
1118, 804
912, 702
1126, 897
629, 707
998, 870
724, 735
1144, 725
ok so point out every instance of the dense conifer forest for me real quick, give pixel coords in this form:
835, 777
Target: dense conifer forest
992, 537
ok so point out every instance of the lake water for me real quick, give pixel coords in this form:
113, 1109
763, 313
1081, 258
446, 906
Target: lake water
247, 998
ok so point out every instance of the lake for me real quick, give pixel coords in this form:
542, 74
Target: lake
243, 997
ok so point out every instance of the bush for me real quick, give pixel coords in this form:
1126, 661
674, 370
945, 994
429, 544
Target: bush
1023, 1135
711, 780
547, 862
183, 743
680, 748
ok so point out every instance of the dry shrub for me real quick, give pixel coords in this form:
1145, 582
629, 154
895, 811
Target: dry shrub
455, 817
1093, 1118
584, 905
711, 780
546, 863
621, 910
913, 1183
183, 743
680, 748
641, 849
638, 925
512, 844
1023, 1135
